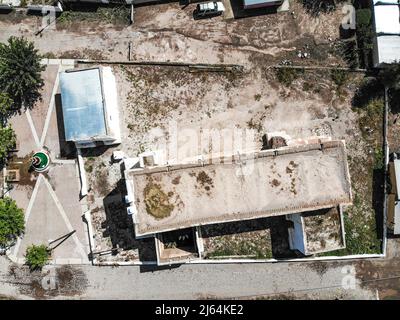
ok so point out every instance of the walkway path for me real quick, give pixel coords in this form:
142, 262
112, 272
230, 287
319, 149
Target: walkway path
50, 200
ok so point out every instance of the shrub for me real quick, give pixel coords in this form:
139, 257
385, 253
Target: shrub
37, 256
20, 71
7, 141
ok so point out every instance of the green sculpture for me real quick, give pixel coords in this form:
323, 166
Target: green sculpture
40, 161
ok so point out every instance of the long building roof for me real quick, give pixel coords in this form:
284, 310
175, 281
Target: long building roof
268, 183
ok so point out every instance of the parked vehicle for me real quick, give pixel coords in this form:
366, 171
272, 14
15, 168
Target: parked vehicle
208, 9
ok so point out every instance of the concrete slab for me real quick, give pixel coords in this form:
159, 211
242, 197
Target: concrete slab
65, 182
45, 223
268, 184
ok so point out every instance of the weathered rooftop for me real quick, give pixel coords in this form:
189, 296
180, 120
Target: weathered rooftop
323, 230
273, 182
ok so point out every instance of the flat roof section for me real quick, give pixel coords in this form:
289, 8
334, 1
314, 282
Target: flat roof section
82, 104
387, 19
388, 49
275, 182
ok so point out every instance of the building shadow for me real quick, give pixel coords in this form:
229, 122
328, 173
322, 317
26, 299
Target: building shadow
119, 226
370, 89
155, 268
280, 239
98, 151
67, 149
378, 199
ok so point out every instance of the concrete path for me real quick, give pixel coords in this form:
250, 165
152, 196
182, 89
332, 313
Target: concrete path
51, 202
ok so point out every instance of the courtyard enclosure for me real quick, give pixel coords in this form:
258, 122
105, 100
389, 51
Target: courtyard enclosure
90, 106
317, 231
177, 246
387, 32
264, 184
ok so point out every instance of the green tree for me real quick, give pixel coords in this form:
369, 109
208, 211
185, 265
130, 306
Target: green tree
20, 71
5, 105
37, 256
12, 222
7, 141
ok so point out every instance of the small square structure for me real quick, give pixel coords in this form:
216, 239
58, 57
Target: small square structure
317, 231
90, 107
177, 246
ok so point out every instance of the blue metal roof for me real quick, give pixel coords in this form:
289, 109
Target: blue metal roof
82, 104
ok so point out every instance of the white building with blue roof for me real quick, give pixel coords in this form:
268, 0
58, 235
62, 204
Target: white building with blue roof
90, 107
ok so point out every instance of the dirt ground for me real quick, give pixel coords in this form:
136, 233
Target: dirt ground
152, 99
168, 32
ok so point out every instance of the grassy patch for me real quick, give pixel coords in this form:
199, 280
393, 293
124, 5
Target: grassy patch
89, 165
339, 77
244, 239
363, 231
286, 76
112, 15
157, 201
243, 249
370, 118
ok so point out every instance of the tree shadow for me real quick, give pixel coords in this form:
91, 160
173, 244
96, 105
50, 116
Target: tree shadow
394, 100
370, 89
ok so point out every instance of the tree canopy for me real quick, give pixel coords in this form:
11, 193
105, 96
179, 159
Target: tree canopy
5, 105
7, 141
12, 221
20, 71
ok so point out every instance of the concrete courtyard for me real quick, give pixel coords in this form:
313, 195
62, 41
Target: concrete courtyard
50, 200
